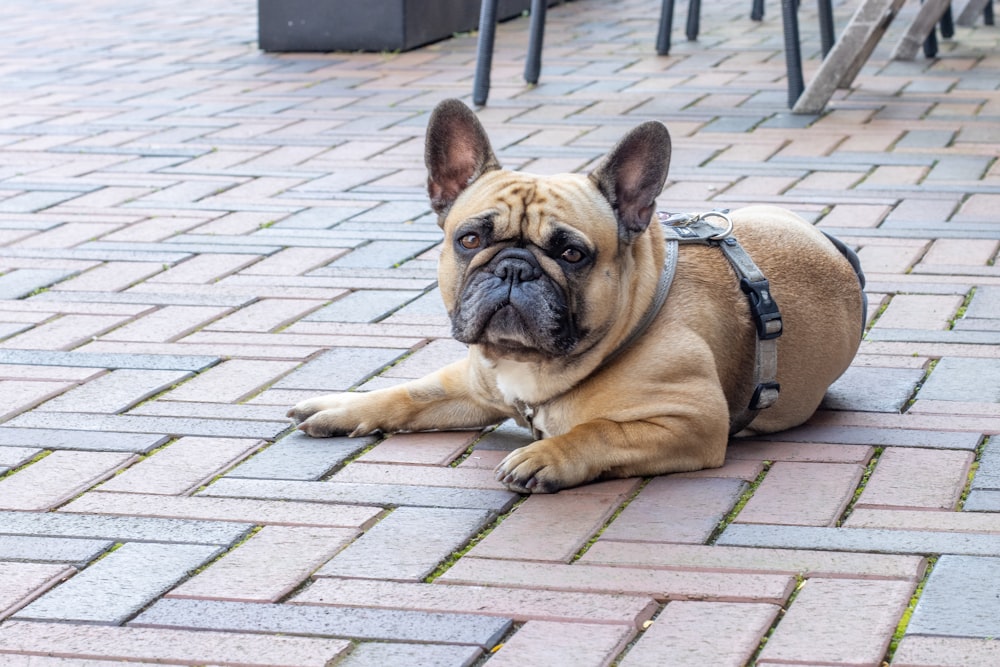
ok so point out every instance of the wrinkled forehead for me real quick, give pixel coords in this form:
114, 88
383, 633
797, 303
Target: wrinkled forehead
522, 203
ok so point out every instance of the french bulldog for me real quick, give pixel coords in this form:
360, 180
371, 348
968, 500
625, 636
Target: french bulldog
547, 279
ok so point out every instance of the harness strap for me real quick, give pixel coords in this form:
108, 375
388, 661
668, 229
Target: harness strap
693, 228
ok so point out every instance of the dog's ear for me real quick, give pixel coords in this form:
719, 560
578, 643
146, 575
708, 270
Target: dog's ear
457, 152
632, 175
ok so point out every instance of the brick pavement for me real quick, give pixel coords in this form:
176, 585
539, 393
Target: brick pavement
195, 235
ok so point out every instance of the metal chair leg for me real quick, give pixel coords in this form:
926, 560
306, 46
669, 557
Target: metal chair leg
533, 64
666, 25
484, 53
826, 30
693, 20
947, 24
793, 50
988, 14
757, 10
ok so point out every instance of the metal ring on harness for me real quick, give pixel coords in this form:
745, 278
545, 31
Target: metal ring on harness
729, 224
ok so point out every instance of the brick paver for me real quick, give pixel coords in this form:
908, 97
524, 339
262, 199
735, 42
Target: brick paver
195, 235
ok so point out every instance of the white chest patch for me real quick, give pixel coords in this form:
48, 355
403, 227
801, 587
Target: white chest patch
517, 381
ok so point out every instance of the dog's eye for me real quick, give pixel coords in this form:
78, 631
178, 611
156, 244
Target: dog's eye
470, 241
571, 255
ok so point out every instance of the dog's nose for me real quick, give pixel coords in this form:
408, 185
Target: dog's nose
517, 265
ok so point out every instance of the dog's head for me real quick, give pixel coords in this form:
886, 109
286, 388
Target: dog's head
538, 267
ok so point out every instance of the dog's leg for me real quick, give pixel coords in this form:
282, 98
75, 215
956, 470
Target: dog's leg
603, 449
441, 400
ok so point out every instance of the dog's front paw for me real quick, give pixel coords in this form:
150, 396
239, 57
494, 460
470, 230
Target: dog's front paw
541, 467
335, 414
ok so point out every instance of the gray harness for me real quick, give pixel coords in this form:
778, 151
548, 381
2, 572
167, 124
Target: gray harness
687, 228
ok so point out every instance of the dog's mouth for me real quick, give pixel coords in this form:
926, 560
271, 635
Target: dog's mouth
515, 319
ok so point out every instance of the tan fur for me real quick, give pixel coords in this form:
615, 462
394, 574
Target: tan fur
664, 404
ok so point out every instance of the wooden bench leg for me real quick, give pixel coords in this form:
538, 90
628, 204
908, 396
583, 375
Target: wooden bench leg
484, 52
849, 54
967, 17
920, 29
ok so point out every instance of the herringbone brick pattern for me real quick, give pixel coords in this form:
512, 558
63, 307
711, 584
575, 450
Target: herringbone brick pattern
195, 235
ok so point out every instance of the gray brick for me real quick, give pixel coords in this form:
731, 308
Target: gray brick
963, 379
961, 599
51, 549
408, 544
188, 244
29, 202
872, 389
382, 253
959, 168
300, 457
98, 360
122, 528
350, 622
376, 654
926, 139
98, 441
116, 391
506, 437
983, 500
363, 306
119, 585
988, 473
876, 437
867, 540
137, 424
339, 369
952, 336
319, 217
130, 255
985, 303
8, 329
22, 282
363, 494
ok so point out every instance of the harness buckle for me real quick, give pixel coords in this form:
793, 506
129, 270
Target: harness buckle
765, 395
763, 308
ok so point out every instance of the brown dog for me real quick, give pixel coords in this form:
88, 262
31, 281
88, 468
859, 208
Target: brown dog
548, 280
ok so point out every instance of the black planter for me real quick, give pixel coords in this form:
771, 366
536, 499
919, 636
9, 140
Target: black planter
368, 25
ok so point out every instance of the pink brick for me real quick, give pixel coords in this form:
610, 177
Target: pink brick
294, 261
16, 396
115, 391
733, 468
918, 651
890, 258
167, 645
659, 583
166, 324
838, 621
518, 604
67, 235
855, 215
960, 252
804, 452
267, 567
232, 350
761, 560
54, 479
182, 466
231, 381
547, 528
920, 311
64, 333
307, 342
696, 634
437, 448
920, 519
375, 473
261, 512
73, 307
551, 643
65, 373
266, 315
20, 583
802, 494
917, 478
428, 359
154, 229
110, 277
203, 269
